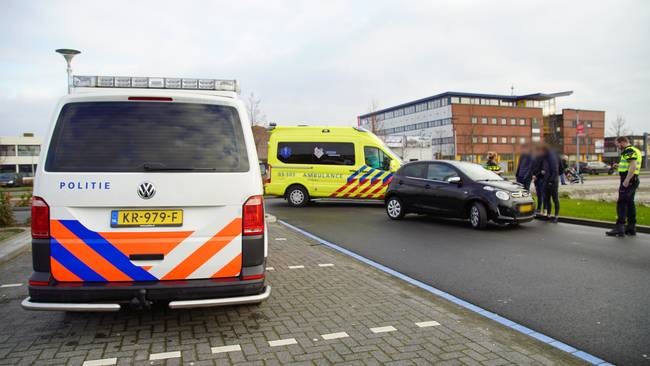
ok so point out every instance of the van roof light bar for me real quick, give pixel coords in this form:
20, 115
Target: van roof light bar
85, 81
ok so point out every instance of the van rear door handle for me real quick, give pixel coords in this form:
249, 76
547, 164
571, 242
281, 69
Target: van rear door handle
427, 186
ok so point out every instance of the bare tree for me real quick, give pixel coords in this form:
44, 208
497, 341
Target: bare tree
619, 127
374, 124
255, 114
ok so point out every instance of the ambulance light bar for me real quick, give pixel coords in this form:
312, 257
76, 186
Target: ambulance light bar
80, 81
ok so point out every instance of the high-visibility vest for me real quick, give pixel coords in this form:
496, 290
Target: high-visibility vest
493, 166
630, 153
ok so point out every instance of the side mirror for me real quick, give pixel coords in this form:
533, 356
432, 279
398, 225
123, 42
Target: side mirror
394, 165
454, 180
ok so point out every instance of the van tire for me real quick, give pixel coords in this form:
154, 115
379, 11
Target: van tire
478, 216
297, 196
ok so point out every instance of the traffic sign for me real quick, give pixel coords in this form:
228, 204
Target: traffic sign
580, 129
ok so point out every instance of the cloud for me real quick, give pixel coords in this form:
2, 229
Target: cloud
323, 62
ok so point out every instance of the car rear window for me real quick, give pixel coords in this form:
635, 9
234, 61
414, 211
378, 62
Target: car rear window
147, 136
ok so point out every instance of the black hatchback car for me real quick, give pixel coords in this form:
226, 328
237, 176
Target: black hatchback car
460, 190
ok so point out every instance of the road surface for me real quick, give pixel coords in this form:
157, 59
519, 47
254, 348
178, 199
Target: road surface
567, 281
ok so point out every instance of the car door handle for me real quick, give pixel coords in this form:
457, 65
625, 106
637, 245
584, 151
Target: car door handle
427, 186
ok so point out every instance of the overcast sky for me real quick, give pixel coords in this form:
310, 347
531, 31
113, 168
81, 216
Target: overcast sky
323, 62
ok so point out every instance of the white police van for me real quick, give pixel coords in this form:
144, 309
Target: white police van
148, 189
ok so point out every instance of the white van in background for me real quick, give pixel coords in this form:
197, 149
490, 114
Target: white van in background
148, 189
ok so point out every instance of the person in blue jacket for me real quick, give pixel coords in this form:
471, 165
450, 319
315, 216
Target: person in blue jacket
524, 173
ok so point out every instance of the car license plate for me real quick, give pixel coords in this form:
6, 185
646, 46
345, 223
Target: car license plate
527, 208
122, 218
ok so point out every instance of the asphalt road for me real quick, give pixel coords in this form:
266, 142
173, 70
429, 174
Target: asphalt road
567, 281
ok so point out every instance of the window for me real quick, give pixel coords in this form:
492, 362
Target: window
399, 112
320, 153
494, 140
522, 140
375, 158
127, 136
474, 120
416, 170
27, 170
484, 139
493, 121
504, 140
522, 122
28, 150
588, 124
464, 100
454, 100
474, 139
504, 121
513, 140
7, 150
484, 120
513, 121
409, 110
421, 107
7, 168
440, 172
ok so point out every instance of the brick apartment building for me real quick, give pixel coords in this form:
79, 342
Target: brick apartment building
465, 126
560, 130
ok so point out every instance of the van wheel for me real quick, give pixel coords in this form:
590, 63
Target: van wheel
297, 196
395, 208
478, 216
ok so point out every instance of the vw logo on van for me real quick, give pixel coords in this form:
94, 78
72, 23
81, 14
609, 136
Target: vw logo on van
146, 190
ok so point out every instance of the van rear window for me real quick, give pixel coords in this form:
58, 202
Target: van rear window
323, 153
147, 136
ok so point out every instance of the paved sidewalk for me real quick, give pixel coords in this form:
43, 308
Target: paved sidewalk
325, 308
14, 245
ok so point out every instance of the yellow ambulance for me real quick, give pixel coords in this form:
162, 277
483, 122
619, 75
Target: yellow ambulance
311, 162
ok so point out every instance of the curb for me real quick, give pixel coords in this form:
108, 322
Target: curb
597, 223
14, 246
580, 354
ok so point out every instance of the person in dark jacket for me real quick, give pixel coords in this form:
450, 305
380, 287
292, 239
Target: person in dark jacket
538, 177
550, 183
524, 173
564, 165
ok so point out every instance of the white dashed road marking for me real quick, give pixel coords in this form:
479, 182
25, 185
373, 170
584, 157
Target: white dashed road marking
334, 335
283, 342
431, 323
389, 328
296, 267
222, 349
164, 355
280, 239
270, 269
102, 362
326, 264
11, 285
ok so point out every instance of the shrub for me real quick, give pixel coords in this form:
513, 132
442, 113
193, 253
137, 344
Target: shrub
6, 212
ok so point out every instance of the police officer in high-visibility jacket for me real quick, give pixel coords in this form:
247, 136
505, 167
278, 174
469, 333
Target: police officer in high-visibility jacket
492, 164
628, 168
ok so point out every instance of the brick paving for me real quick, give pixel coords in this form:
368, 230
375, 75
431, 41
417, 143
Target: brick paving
320, 314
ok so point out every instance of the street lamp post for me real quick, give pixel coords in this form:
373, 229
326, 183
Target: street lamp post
68, 54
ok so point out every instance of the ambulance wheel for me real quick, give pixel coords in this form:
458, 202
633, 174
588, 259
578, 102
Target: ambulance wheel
478, 216
297, 196
395, 208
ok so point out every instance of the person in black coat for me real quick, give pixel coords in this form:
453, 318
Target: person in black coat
550, 183
524, 173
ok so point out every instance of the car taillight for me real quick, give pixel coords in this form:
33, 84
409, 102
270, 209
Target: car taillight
40, 219
253, 216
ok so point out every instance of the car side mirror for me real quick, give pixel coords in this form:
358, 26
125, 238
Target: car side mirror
454, 180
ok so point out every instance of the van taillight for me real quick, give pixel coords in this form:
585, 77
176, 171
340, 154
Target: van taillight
40, 219
253, 216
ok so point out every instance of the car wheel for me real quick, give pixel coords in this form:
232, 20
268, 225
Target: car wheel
297, 196
478, 216
395, 208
